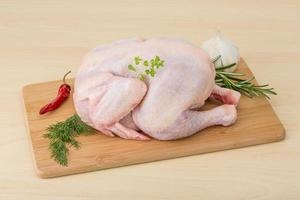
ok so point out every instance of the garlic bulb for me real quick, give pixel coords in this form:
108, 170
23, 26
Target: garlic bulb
220, 46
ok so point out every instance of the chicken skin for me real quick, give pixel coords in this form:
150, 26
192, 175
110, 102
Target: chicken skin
112, 100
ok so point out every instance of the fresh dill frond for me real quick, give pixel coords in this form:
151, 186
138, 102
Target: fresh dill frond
62, 136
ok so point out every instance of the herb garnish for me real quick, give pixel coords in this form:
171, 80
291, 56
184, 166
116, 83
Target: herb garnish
62, 135
244, 86
151, 66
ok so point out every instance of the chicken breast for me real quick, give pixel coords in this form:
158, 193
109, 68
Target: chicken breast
112, 100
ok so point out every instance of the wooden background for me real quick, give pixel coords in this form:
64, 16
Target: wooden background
41, 40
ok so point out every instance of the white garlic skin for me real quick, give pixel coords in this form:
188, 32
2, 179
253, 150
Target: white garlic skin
219, 45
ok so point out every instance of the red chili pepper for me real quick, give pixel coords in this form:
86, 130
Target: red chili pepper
63, 93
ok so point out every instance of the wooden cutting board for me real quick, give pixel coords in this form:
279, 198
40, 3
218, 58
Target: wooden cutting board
257, 124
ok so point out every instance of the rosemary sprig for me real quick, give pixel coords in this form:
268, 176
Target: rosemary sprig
62, 135
244, 86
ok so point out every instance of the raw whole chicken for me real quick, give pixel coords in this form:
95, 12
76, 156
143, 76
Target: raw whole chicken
112, 100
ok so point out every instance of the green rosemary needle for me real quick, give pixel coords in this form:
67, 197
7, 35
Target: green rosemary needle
62, 135
232, 81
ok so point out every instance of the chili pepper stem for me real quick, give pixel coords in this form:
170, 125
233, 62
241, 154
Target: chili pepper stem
64, 78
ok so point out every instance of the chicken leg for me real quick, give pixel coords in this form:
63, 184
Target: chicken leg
192, 121
225, 95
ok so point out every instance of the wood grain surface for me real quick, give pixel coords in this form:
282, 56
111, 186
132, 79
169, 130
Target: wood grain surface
257, 124
41, 40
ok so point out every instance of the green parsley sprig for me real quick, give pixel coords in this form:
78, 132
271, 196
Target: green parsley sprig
245, 86
150, 67
62, 135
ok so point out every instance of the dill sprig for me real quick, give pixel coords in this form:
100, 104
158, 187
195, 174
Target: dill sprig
232, 81
62, 135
